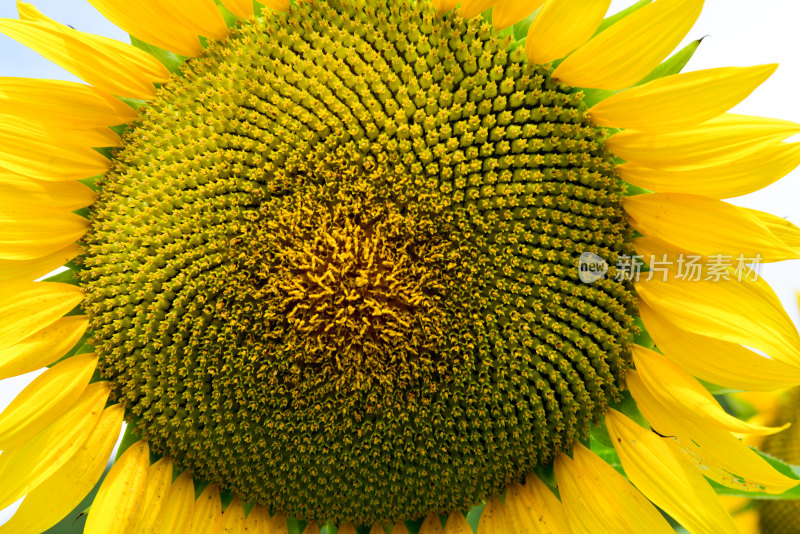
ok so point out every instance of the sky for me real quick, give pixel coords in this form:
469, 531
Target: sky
737, 33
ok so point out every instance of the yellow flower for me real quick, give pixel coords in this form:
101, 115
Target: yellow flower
358, 263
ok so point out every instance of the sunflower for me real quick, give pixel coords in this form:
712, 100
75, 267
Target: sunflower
376, 265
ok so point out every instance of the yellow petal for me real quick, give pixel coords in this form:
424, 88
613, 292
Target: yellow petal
508, 12
377, 528
107, 64
156, 492
28, 232
676, 388
312, 528
494, 518
628, 50
599, 500
43, 157
457, 524
27, 465
431, 525
15, 271
42, 348
782, 229
715, 451
561, 27
45, 399
443, 6
716, 361
208, 512
62, 104
257, 522
166, 24
233, 518
65, 195
720, 139
277, 5
118, 504
178, 509
473, 8
722, 179
705, 226
29, 12
681, 100
534, 509
57, 496
75, 139
33, 307
241, 8
278, 524
667, 479
746, 313
398, 528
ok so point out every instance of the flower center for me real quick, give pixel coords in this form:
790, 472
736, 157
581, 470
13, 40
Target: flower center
334, 266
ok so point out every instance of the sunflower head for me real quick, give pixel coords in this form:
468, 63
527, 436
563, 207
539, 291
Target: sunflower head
344, 241
331, 269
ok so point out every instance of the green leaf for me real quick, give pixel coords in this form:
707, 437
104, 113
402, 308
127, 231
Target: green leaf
171, 60
621, 15
674, 64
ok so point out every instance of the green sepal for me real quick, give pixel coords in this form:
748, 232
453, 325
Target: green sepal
230, 19
135, 103
128, 438
741, 408
627, 406
64, 277
608, 21
296, 526
120, 129
609, 455
599, 434
81, 347
722, 390
474, 516
521, 28
790, 470
674, 64
595, 96
505, 32
171, 60
547, 474
633, 190
91, 182
643, 339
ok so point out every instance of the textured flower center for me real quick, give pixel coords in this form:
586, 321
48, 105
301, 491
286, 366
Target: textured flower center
334, 267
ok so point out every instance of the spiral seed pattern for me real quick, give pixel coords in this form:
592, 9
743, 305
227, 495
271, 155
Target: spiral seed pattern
334, 266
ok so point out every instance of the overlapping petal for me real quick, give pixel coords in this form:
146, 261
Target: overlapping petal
119, 503
561, 27
109, 65
681, 100
627, 51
